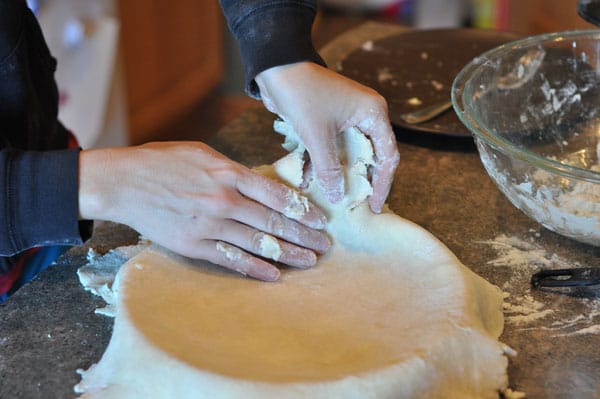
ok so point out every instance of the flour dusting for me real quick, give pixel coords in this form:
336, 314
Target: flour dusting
567, 206
524, 309
437, 85
384, 74
233, 254
415, 101
297, 205
269, 247
525, 257
98, 274
368, 46
595, 329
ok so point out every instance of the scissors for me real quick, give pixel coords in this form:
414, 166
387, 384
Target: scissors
576, 277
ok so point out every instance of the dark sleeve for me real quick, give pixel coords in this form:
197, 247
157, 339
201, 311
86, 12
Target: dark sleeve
271, 33
38, 175
39, 202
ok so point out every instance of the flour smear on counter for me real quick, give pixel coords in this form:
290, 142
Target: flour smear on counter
525, 257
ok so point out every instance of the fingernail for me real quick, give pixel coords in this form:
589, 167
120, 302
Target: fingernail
269, 274
321, 222
333, 187
376, 208
335, 196
263, 272
309, 259
324, 244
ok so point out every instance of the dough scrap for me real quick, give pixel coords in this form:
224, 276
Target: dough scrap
388, 312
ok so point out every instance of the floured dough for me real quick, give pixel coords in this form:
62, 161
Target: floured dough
388, 312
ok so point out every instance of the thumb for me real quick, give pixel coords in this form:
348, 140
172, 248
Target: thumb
323, 152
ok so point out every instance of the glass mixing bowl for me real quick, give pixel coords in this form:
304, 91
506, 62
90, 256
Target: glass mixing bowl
533, 106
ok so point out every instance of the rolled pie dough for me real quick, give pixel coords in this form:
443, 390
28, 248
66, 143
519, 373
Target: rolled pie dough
388, 312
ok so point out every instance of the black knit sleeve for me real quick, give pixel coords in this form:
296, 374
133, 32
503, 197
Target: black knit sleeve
271, 33
38, 175
39, 202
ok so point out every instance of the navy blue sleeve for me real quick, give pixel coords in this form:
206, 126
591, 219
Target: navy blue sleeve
39, 205
38, 174
271, 33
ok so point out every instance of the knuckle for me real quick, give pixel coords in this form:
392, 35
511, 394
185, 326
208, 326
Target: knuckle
379, 100
255, 241
230, 174
228, 256
227, 172
395, 159
376, 101
330, 176
214, 230
223, 202
275, 223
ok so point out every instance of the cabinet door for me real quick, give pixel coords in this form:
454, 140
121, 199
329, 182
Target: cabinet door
541, 16
173, 58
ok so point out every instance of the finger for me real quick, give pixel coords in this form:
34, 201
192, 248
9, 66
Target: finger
226, 255
272, 222
265, 245
281, 198
379, 130
326, 164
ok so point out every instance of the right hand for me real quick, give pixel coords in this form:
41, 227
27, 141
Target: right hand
320, 104
194, 201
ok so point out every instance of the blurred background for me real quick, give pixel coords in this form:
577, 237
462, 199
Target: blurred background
133, 71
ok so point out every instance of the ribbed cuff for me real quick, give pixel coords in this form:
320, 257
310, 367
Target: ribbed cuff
43, 201
275, 35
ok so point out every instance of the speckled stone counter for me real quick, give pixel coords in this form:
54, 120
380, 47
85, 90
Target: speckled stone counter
48, 329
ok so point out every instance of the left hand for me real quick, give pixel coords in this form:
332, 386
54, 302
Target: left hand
320, 104
194, 201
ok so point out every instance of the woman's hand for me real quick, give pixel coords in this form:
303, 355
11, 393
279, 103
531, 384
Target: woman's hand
320, 104
198, 203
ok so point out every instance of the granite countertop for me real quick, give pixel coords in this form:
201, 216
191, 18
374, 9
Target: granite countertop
48, 328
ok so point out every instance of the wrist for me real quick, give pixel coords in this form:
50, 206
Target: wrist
97, 181
282, 74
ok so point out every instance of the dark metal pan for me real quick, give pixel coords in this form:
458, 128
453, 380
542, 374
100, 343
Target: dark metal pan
415, 69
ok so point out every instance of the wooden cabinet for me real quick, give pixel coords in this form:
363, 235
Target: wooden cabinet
172, 52
541, 16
